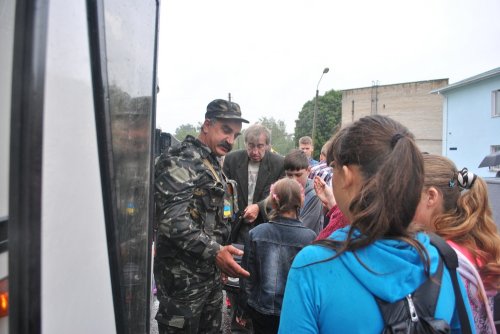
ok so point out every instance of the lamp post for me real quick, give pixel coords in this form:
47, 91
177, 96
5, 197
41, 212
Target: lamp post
316, 105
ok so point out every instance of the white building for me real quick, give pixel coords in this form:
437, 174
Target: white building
471, 121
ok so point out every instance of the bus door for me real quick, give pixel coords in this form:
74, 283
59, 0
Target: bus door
81, 81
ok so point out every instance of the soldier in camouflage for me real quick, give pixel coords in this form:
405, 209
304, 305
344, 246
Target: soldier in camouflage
193, 226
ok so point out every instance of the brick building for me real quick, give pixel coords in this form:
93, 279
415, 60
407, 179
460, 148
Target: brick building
409, 103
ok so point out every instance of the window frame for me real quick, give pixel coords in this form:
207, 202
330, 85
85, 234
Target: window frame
495, 103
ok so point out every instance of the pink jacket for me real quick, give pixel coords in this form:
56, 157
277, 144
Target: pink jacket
337, 220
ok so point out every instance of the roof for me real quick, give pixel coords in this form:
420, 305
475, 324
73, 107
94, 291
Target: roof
483, 76
394, 84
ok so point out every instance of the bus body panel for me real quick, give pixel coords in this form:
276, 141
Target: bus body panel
76, 284
7, 14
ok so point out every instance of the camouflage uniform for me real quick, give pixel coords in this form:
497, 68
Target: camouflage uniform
189, 199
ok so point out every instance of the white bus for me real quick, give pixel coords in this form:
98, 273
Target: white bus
77, 114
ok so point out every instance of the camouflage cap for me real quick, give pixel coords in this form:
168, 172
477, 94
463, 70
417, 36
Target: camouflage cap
224, 109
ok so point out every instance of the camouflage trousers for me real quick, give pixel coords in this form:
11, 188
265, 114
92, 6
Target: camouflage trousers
190, 300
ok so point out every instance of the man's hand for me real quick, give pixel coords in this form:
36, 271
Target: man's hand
251, 212
225, 261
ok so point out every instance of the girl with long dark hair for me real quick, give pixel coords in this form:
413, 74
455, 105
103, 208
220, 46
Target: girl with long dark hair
333, 286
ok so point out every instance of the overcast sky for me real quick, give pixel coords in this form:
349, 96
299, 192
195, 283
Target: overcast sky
270, 54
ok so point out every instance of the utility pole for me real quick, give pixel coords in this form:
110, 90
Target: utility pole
316, 106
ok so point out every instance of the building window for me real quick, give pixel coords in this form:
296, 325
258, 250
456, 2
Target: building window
496, 103
495, 148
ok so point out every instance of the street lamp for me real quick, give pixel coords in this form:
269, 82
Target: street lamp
316, 105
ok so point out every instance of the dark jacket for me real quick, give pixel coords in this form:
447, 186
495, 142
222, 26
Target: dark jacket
270, 170
269, 253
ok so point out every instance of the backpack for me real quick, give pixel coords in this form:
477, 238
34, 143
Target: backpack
415, 313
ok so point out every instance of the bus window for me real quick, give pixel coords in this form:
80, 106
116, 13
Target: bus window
129, 81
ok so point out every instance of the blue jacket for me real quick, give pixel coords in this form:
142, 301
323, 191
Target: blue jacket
269, 252
336, 296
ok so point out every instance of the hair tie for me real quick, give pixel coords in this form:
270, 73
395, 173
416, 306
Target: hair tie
465, 178
395, 139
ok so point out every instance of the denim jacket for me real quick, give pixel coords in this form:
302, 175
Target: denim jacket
268, 256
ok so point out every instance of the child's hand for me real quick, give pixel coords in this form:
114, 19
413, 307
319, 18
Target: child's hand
324, 193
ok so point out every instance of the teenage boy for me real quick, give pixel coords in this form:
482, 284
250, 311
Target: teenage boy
297, 167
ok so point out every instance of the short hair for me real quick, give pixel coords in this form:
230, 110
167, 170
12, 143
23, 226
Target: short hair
254, 131
296, 160
306, 140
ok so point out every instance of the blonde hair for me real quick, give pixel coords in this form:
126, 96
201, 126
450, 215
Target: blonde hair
467, 218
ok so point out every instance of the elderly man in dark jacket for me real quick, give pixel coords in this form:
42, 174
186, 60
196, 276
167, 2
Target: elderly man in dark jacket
255, 169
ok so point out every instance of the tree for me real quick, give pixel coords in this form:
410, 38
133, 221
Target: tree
328, 119
187, 129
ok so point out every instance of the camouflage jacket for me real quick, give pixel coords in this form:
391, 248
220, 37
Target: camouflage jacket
189, 201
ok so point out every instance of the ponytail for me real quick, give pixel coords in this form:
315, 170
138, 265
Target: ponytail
391, 166
285, 196
467, 218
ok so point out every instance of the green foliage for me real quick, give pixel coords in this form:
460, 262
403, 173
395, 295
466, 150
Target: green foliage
240, 142
281, 141
187, 129
328, 118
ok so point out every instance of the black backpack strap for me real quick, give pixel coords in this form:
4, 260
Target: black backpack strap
451, 260
426, 296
